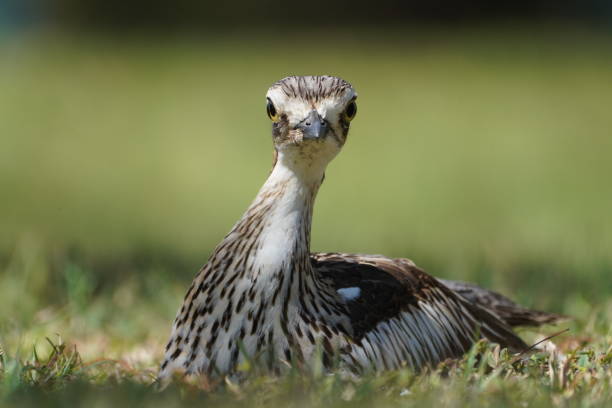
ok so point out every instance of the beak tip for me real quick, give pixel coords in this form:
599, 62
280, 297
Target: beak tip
314, 126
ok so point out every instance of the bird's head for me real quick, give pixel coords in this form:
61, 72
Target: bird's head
310, 119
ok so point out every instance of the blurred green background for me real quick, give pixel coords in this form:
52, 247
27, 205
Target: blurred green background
482, 151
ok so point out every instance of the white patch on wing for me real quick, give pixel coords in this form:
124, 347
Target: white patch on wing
349, 293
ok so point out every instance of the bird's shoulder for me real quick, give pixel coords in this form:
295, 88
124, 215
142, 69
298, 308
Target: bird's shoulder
377, 288
347, 269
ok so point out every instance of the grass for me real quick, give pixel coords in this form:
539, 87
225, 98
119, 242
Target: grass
486, 376
482, 155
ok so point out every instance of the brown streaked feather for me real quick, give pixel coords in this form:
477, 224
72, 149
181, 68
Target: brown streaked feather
312, 88
513, 314
391, 286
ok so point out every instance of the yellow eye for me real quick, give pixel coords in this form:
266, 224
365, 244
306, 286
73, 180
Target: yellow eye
350, 111
271, 110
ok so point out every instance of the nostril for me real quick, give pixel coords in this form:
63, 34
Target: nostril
307, 123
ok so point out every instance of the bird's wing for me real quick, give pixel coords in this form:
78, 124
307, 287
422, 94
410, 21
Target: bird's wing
395, 292
510, 312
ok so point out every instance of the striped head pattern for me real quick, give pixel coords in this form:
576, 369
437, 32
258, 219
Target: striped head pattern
310, 118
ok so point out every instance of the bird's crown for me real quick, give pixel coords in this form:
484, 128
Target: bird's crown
313, 88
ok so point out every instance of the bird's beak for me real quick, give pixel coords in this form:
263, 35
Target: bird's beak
313, 127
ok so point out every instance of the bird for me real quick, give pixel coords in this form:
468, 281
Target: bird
263, 296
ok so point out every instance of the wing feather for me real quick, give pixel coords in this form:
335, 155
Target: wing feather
405, 316
510, 312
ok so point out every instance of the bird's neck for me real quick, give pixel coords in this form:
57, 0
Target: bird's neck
274, 233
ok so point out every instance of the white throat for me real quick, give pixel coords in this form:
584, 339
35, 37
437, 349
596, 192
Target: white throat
278, 221
285, 234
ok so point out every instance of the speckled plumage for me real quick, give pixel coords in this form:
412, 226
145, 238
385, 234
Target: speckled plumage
263, 294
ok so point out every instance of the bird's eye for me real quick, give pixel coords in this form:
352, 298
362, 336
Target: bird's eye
350, 111
272, 114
